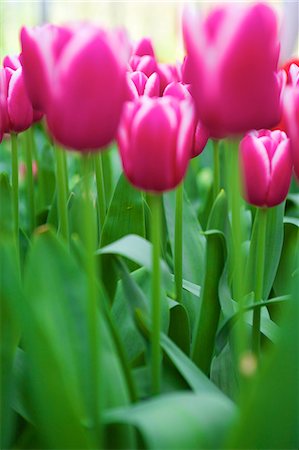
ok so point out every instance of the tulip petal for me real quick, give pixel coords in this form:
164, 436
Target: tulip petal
255, 167
153, 146
18, 104
37, 62
152, 87
89, 92
281, 173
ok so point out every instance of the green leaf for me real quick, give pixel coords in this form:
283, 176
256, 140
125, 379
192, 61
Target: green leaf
6, 211
287, 263
270, 409
182, 420
273, 247
56, 333
193, 240
125, 216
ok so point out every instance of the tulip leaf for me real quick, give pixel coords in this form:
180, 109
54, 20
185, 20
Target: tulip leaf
196, 420
264, 399
57, 312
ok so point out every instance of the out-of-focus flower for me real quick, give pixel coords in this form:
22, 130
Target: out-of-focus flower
201, 134
144, 47
139, 84
232, 65
155, 140
77, 76
290, 120
266, 164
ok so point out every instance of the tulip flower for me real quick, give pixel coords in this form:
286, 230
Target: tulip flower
146, 64
201, 134
155, 141
232, 66
290, 118
77, 77
16, 108
144, 47
266, 164
139, 84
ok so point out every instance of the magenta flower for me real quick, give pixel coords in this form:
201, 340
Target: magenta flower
266, 164
232, 65
77, 77
139, 84
16, 110
155, 140
201, 134
144, 47
291, 113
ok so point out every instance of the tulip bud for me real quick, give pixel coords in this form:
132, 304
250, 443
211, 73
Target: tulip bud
78, 78
266, 164
144, 47
139, 84
232, 66
155, 141
16, 108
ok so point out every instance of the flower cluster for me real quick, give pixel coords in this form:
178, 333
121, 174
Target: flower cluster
92, 88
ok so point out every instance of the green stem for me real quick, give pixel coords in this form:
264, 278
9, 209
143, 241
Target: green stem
261, 218
64, 155
15, 183
237, 260
178, 243
30, 181
94, 329
155, 201
216, 184
101, 198
107, 168
61, 194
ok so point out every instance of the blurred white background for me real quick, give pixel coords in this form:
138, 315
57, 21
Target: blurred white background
160, 20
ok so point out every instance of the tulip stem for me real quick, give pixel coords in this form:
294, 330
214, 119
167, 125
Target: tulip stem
216, 184
61, 194
101, 198
155, 202
30, 181
261, 218
237, 254
94, 329
178, 242
15, 184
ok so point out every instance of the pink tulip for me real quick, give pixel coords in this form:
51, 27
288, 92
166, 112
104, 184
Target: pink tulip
146, 64
144, 47
232, 62
139, 84
266, 164
155, 141
291, 113
16, 108
77, 77
201, 134
11, 61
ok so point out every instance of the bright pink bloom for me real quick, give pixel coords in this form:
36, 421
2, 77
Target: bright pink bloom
169, 73
77, 77
290, 117
232, 63
155, 141
139, 84
144, 47
146, 64
266, 164
11, 61
15, 106
201, 134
